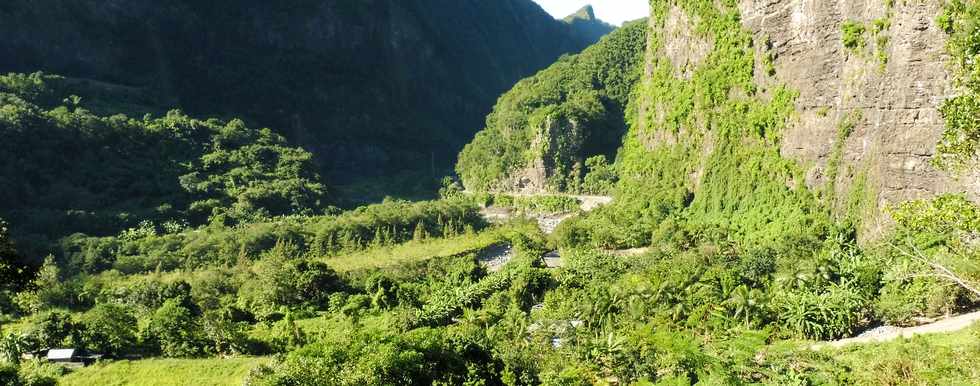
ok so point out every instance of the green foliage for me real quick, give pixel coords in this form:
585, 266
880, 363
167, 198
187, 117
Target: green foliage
372, 357
923, 359
109, 329
852, 35
951, 215
40, 373
537, 205
49, 290
175, 331
931, 233
124, 170
56, 329
704, 153
283, 279
844, 130
957, 150
8, 374
392, 222
601, 178
564, 115
832, 313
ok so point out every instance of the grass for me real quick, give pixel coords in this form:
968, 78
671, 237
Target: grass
17, 326
935, 359
165, 372
416, 251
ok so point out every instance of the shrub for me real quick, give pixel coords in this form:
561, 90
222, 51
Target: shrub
56, 329
9, 374
852, 35
40, 373
828, 314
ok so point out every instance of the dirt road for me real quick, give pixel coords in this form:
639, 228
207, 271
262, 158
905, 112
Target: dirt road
889, 333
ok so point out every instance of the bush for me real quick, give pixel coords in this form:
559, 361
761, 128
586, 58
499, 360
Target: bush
904, 297
852, 35
56, 329
424, 356
829, 314
9, 374
40, 373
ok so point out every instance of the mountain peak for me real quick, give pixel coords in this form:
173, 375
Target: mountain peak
587, 13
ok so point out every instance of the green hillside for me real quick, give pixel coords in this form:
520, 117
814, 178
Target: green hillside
562, 116
688, 246
371, 88
67, 169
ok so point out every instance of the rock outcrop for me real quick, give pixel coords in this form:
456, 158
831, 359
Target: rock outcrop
875, 105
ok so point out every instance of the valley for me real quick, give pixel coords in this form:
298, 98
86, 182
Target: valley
434, 192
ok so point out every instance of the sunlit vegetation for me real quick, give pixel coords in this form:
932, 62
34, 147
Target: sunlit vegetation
233, 268
853, 35
564, 115
166, 372
958, 150
174, 170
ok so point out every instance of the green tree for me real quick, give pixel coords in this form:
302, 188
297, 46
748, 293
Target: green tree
57, 329
175, 331
109, 329
283, 279
49, 289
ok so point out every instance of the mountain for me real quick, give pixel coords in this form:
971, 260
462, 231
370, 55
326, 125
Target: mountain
370, 87
541, 133
762, 121
585, 24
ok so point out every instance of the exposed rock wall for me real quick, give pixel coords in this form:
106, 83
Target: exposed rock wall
893, 103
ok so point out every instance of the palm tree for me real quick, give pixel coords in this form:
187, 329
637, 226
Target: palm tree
745, 302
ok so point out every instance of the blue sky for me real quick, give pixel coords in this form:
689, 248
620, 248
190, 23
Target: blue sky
610, 11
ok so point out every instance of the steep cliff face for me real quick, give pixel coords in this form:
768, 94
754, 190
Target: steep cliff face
370, 87
867, 116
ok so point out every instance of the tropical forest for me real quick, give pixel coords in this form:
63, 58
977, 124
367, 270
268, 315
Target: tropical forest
506, 192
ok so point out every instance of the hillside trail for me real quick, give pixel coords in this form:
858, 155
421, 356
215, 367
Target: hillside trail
890, 333
546, 222
586, 203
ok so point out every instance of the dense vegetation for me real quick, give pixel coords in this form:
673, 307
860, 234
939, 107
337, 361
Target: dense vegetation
173, 171
563, 117
371, 88
703, 155
229, 254
961, 142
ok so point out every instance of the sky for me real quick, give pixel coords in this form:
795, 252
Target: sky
610, 11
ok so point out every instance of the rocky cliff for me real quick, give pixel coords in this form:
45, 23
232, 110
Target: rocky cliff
774, 119
870, 111
371, 87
